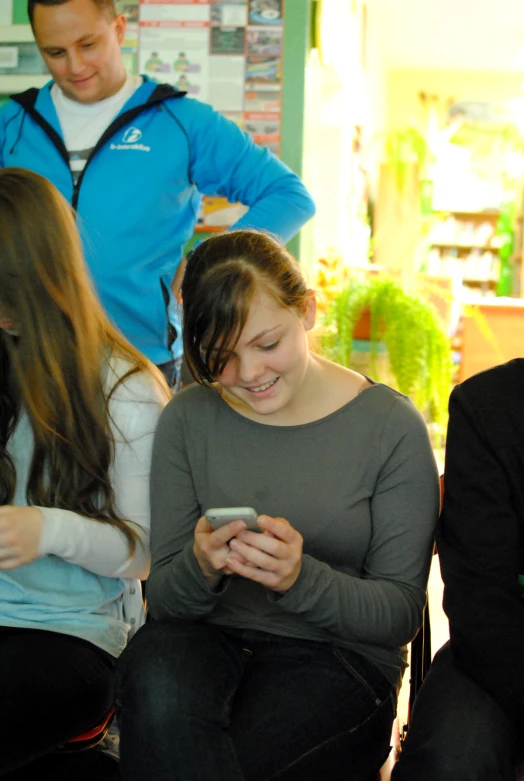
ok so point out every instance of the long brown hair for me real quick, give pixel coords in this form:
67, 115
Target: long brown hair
222, 277
54, 367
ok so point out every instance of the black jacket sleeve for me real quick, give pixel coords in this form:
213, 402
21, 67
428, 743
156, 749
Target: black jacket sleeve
479, 535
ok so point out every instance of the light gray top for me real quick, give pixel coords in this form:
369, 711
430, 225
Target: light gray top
83, 582
361, 487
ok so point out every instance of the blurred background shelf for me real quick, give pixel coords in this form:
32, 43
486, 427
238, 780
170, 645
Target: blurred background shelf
21, 82
16, 33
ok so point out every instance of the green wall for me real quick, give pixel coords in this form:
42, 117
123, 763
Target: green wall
20, 12
296, 47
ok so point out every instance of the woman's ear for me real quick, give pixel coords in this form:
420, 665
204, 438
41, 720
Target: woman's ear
310, 315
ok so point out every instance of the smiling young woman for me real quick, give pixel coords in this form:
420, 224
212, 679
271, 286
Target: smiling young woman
275, 654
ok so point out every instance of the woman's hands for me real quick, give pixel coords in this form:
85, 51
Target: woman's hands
20, 532
212, 551
273, 558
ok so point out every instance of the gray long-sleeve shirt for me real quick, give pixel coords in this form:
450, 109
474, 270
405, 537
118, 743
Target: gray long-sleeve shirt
361, 487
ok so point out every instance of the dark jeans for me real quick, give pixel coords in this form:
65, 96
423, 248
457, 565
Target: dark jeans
457, 732
52, 688
199, 703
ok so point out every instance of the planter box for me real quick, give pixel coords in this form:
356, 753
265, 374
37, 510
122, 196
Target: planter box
362, 330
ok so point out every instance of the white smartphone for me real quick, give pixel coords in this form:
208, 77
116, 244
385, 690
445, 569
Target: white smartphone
219, 516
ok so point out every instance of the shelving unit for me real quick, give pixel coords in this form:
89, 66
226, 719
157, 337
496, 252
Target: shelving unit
442, 245
17, 82
519, 255
16, 33
464, 245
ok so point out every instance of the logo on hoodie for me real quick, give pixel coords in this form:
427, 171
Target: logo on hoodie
130, 140
132, 135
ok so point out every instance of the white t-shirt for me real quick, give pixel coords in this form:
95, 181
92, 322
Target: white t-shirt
83, 123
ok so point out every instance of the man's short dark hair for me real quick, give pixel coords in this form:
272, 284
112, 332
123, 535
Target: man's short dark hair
107, 6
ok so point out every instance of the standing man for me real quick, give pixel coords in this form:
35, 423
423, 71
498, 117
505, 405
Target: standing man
133, 157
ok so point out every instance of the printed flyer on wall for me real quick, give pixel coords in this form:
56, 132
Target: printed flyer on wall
224, 52
229, 15
226, 87
265, 12
174, 44
262, 97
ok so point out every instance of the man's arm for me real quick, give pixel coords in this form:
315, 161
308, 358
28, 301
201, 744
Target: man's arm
225, 161
478, 545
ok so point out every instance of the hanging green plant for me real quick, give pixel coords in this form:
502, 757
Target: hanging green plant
419, 350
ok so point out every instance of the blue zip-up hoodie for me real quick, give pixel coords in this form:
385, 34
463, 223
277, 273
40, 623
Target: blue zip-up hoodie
137, 199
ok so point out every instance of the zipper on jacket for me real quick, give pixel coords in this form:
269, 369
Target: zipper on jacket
159, 94
116, 125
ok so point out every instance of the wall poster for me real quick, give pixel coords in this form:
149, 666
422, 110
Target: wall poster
227, 53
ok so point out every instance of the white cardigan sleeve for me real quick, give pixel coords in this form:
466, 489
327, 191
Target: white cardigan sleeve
134, 409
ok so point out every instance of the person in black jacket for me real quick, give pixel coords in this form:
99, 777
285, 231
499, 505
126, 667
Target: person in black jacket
468, 719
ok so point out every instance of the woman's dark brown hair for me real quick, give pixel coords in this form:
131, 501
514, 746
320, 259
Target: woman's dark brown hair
53, 369
223, 275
